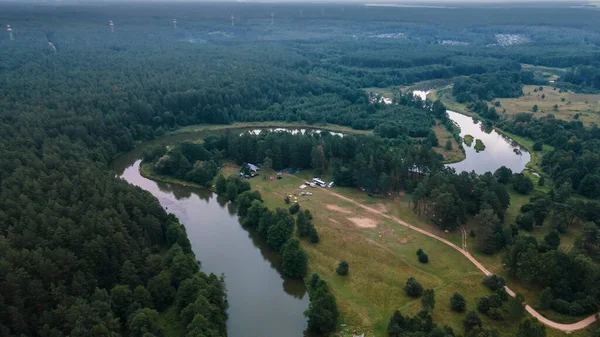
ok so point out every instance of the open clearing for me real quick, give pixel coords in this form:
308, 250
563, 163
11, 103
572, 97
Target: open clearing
569, 104
382, 258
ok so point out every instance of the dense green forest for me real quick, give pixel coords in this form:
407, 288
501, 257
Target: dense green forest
83, 253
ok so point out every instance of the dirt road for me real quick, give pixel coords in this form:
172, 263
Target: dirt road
568, 328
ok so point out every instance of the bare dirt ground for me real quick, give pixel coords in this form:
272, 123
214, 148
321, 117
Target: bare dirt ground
364, 222
338, 209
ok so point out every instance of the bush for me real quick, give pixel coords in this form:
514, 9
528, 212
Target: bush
494, 282
342, 268
471, 320
458, 302
419, 251
483, 305
314, 236
561, 306
495, 314
502, 294
538, 146
522, 183
286, 199
294, 208
413, 288
525, 221
546, 298
423, 258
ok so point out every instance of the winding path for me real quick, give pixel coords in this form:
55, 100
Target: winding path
568, 328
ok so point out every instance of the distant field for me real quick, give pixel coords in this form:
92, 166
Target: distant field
547, 73
569, 104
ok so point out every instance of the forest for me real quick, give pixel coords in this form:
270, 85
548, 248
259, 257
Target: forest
86, 254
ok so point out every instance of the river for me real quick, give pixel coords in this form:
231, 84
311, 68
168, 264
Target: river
261, 301
499, 150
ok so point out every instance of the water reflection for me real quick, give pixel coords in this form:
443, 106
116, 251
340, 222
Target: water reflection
499, 151
261, 301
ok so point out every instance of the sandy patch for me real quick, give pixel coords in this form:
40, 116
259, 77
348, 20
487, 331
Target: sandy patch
338, 209
403, 240
364, 222
334, 221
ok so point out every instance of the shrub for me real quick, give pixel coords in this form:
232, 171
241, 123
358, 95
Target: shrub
294, 208
458, 302
561, 306
423, 258
413, 288
419, 251
286, 199
494, 282
495, 314
342, 268
546, 298
525, 221
483, 305
471, 320
538, 146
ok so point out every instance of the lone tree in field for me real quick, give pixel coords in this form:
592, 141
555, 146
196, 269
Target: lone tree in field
413, 288
342, 268
423, 258
458, 302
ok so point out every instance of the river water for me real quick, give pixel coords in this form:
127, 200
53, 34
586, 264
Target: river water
499, 150
261, 301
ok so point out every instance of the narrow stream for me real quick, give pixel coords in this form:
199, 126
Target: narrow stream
261, 301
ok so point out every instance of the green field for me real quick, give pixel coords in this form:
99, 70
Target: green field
569, 105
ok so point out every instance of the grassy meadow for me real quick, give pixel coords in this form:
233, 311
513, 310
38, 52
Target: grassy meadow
570, 106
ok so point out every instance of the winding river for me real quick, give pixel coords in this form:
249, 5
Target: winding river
261, 301
499, 150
